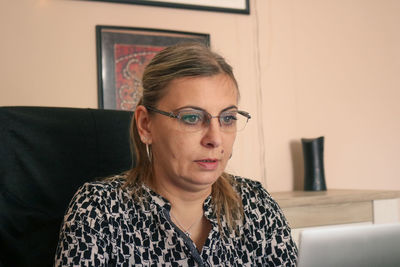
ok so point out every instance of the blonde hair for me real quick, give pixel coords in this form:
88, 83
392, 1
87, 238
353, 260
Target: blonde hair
182, 60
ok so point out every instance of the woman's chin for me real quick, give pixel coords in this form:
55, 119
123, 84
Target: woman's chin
205, 179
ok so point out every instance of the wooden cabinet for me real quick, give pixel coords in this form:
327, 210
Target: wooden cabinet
304, 209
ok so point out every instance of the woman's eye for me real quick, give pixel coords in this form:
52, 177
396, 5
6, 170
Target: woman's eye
191, 118
228, 119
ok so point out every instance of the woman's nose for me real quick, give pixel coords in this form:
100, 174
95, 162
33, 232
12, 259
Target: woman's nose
212, 137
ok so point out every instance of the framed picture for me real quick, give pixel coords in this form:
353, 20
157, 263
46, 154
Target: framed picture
123, 53
231, 6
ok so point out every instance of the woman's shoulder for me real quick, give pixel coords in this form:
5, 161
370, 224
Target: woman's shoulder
103, 187
248, 186
245, 181
101, 194
253, 194
108, 183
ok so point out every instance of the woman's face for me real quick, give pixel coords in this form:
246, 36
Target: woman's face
192, 161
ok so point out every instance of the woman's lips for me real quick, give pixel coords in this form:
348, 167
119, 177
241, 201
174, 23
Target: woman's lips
208, 164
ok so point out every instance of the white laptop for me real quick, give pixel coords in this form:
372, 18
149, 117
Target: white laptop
348, 246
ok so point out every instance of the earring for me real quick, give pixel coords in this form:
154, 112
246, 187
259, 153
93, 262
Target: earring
148, 152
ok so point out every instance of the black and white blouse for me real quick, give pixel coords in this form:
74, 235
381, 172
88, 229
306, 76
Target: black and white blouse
104, 226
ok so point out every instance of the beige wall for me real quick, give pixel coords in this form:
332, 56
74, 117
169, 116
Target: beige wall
306, 68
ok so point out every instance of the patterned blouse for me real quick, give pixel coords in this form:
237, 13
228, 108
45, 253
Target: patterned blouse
104, 226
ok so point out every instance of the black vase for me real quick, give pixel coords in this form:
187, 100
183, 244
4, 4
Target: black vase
314, 173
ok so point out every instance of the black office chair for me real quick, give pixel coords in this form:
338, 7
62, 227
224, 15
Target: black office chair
45, 155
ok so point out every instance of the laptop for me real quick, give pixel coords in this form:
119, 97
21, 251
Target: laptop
348, 246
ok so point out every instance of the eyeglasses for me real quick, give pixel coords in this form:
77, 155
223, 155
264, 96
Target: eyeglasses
192, 120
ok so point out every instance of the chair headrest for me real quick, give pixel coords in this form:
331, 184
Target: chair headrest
45, 155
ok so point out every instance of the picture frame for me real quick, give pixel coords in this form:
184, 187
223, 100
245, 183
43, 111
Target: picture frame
229, 6
123, 53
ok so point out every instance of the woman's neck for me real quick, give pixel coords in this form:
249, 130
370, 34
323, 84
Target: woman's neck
181, 199
187, 210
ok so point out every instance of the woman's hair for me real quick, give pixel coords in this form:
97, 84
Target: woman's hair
182, 60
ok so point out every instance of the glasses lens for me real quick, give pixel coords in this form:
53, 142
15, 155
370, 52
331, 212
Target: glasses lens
228, 121
232, 121
191, 120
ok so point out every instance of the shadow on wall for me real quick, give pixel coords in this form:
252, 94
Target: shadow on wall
296, 152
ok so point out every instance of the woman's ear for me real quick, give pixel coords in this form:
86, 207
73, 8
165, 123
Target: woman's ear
143, 124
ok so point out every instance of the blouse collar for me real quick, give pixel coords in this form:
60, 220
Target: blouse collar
161, 201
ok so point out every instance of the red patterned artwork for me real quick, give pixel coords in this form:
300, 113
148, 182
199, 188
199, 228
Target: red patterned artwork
130, 61
122, 55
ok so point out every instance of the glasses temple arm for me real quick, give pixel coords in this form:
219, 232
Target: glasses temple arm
244, 113
169, 114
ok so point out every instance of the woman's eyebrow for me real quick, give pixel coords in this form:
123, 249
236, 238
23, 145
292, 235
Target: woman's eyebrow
189, 107
228, 108
202, 109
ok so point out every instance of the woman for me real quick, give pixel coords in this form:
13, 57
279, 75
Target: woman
178, 207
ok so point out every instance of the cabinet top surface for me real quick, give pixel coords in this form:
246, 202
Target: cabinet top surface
309, 198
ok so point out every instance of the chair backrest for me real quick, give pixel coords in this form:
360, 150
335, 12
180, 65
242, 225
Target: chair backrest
45, 155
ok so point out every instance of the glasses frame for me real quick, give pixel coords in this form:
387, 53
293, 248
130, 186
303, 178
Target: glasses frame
209, 116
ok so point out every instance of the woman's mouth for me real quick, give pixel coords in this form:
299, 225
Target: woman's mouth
208, 164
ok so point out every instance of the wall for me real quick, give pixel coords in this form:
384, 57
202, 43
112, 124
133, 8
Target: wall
333, 70
306, 68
